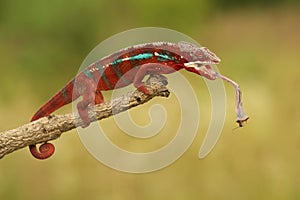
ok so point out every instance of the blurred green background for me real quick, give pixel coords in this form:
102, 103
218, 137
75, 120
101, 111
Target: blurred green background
42, 44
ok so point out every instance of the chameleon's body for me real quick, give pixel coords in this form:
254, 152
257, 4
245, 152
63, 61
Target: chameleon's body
122, 68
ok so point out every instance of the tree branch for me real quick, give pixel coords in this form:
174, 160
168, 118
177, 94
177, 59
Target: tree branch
52, 126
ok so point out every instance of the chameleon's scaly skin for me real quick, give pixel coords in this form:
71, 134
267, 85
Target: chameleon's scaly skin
120, 69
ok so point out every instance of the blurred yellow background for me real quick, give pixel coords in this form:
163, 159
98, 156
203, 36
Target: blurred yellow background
42, 45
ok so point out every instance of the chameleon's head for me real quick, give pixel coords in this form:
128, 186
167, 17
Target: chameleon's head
200, 59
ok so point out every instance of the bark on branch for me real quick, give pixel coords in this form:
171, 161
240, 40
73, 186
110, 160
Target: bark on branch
51, 127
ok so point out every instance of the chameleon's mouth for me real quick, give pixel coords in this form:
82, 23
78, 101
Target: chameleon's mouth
202, 68
199, 64
205, 70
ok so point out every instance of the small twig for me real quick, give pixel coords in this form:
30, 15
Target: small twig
51, 127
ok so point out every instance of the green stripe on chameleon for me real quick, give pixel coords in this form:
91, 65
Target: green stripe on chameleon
102, 75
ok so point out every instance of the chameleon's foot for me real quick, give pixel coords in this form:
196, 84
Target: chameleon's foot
143, 89
85, 124
160, 77
85, 118
165, 82
84, 115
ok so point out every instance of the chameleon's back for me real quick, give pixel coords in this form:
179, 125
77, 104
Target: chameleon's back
114, 71
119, 69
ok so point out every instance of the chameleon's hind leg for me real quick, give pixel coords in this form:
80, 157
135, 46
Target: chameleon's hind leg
89, 97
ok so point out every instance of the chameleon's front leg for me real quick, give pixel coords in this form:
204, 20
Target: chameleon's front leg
149, 68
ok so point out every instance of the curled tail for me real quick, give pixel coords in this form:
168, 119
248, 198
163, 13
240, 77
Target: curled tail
63, 97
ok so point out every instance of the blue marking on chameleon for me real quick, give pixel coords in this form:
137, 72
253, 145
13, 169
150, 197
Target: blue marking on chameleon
136, 57
117, 61
88, 73
164, 57
141, 56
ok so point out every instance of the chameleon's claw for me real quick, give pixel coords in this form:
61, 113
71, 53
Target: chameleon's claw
165, 82
85, 124
160, 77
85, 119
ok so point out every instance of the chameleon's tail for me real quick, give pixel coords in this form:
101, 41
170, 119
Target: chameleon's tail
63, 97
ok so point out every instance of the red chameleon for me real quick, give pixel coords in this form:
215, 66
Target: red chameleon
127, 66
